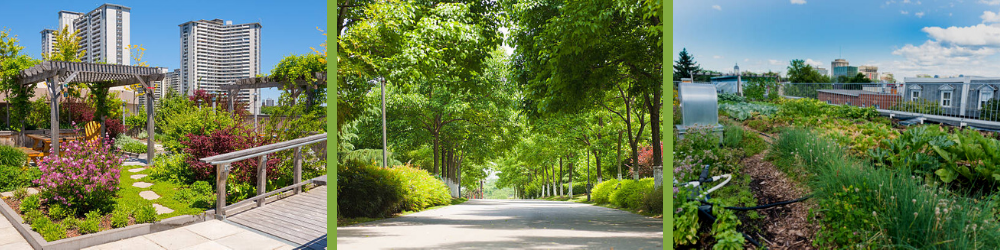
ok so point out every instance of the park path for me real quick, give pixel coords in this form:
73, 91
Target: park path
508, 224
10, 238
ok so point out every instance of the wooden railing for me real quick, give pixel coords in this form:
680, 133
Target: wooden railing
223, 162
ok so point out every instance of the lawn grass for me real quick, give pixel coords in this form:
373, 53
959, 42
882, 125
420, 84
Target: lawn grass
128, 195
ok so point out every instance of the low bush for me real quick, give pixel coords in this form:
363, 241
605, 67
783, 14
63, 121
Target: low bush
30, 203
171, 167
119, 217
92, 224
199, 195
11, 156
631, 193
71, 223
84, 178
129, 144
653, 201
179, 127
420, 189
603, 190
20, 193
365, 190
12, 178
33, 215
145, 214
49, 230
58, 211
225, 140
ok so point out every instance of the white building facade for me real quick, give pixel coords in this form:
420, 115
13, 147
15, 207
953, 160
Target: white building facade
104, 33
217, 52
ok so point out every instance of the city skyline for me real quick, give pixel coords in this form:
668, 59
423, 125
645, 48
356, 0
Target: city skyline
904, 37
291, 29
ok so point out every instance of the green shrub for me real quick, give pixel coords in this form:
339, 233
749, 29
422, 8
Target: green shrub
602, 191
119, 217
12, 178
724, 230
365, 190
631, 193
33, 215
11, 156
58, 211
136, 120
731, 98
92, 224
743, 111
71, 223
732, 136
171, 168
653, 201
129, 144
145, 214
420, 189
176, 128
198, 195
20, 193
49, 230
30, 203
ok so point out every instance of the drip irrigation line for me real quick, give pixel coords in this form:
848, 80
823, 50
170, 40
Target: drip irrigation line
769, 205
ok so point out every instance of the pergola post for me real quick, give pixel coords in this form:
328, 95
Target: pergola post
232, 101
53, 114
150, 149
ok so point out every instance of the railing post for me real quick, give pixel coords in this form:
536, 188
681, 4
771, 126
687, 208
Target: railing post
297, 171
262, 179
220, 183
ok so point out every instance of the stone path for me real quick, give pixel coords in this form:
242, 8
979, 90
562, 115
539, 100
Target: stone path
148, 195
10, 238
211, 234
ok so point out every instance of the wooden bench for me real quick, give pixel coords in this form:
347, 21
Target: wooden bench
34, 155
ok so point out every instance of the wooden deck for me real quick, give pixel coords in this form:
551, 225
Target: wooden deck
300, 219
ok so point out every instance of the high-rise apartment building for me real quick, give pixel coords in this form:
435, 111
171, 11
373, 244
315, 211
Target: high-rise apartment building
269, 102
217, 52
104, 33
171, 80
839, 63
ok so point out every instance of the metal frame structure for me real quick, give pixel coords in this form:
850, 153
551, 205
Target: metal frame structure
57, 75
268, 82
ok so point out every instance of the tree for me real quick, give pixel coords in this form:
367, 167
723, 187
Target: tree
67, 47
11, 64
685, 66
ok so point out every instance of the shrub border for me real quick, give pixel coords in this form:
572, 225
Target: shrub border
37, 242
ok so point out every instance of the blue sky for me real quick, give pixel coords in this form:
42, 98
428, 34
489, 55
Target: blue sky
904, 37
289, 27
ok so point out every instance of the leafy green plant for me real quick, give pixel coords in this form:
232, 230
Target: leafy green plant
631, 193
179, 127
145, 214
30, 203
71, 223
136, 120
12, 178
172, 167
365, 190
128, 144
762, 89
653, 201
724, 230
33, 215
730, 98
20, 193
420, 189
49, 230
58, 211
199, 195
120, 217
13, 157
685, 218
746, 110
93, 222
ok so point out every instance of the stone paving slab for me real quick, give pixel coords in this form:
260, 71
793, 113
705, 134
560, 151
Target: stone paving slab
142, 184
160, 209
136, 170
31, 191
211, 234
10, 238
149, 195
137, 176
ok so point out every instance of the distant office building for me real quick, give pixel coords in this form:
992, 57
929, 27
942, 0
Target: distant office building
823, 71
848, 71
839, 63
158, 91
171, 81
215, 53
871, 72
269, 102
104, 33
886, 77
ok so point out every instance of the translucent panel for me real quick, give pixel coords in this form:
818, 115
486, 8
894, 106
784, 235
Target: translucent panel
699, 104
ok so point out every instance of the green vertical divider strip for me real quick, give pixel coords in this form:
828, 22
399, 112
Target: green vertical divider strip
668, 94
331, 122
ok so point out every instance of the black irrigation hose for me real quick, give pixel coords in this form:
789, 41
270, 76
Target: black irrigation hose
749, 238
769, 205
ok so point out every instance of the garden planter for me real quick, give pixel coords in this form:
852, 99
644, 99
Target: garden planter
37, 242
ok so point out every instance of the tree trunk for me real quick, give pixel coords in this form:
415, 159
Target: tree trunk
560, 176
435, 150
654, 117
597, 152
570, 180
619, 155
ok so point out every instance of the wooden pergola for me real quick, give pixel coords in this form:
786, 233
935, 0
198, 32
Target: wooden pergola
268, 82
58, 74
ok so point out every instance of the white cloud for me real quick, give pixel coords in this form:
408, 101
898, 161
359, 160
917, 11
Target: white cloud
746, 59
798, 1
990, 2
814, 63
717, 57
906, 1
990, 17
933, 58
717, 7
919, 14
979, 35
903, 12
775, 62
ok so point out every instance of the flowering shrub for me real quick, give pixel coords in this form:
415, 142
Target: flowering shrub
85, 177
230, 139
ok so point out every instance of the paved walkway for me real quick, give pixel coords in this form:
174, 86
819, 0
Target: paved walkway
211, 234
10, 239
508, 224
